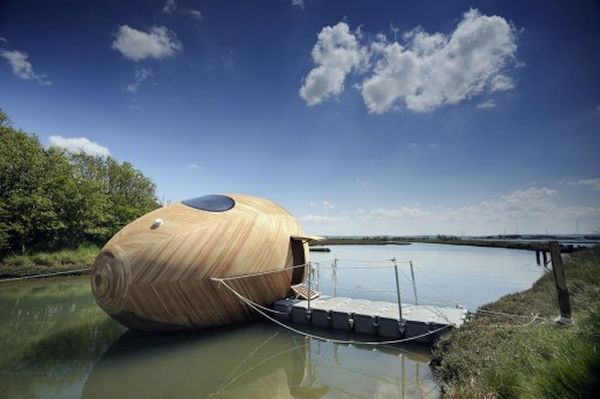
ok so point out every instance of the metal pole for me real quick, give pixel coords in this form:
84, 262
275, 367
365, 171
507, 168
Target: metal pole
309, 278
398, 289
412, 275
335, 277
318, 276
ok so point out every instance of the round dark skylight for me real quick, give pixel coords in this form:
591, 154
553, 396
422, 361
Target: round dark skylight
211, 203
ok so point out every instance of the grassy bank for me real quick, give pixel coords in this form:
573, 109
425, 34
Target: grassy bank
500, 356
48, 262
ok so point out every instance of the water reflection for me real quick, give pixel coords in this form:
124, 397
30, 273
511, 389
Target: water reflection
255, 361
51, 332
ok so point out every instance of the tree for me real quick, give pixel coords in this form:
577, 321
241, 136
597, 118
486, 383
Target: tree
28, 211
4, 119
50, 198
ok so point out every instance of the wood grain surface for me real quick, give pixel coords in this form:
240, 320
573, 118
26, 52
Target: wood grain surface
158, 278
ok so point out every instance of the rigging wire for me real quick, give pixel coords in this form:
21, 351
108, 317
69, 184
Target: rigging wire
320, 338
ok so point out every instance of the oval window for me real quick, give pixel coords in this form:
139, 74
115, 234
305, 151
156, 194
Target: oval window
211, 203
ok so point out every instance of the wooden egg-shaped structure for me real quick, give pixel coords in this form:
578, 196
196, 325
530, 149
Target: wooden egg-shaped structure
155, 274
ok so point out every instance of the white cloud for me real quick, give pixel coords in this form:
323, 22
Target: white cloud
321, 219
363, 183
159, 42
140, 75
171, 8
328, 205
79, 144
598, 108
193, 166
433, 146
594, 183
3, 39
530, 210
402, 213
22, 68
298, 3
502, 83
432, 70
486, 104
197, 15
335, 54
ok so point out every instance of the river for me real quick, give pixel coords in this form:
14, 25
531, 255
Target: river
56, 343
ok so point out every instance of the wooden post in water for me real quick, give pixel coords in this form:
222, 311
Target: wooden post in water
545, 258
564, 300
537, 257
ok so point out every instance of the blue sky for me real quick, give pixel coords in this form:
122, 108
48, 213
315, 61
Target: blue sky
358, 117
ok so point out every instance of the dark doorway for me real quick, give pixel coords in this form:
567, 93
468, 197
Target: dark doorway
298, 258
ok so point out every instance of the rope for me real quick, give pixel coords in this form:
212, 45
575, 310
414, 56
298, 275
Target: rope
363, 267
234, 371
317, 337
372, 261
222, 389
45, 275
262, 273
485, 312
433, 284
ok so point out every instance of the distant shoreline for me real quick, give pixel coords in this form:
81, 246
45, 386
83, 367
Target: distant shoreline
355, 241
509, 244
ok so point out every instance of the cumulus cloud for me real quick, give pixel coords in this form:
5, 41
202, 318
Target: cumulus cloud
298, 3
171, 7
159, 42
79, 144
22, 68
139, 76
594, 183
424, 72
486, 104
335, 54
432, 70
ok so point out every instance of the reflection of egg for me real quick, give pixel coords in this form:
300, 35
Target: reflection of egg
157, 276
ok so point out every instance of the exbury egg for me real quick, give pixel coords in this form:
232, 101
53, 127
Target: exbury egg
157, 272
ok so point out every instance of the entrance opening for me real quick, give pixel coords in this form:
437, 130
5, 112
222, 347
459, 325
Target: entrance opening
298, 258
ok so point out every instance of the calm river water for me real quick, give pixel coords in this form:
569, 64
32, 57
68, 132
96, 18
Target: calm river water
56, 343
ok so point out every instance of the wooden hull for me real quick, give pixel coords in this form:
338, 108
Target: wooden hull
159, 278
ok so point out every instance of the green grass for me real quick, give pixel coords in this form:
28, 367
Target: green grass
502, 357
48, 262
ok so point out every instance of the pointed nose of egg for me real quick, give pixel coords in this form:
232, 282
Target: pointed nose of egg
111, 276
